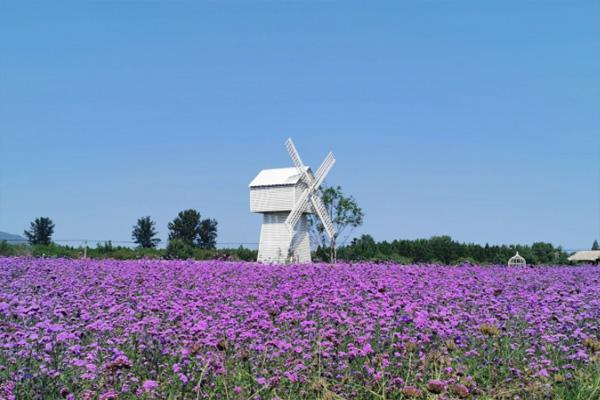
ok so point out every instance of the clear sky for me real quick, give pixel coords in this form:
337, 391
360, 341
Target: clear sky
480, 120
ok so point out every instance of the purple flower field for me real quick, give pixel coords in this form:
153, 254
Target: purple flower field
90, 329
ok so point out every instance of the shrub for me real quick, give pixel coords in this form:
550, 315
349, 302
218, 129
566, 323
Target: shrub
178, 249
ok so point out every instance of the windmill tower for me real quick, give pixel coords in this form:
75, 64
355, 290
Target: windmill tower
285, 197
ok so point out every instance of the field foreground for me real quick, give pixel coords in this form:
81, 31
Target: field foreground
83, 329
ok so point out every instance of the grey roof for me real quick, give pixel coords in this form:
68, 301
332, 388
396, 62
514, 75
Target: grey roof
276, 177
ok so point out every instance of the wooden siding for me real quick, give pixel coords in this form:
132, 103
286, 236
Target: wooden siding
272, 198
301, 242
275, 240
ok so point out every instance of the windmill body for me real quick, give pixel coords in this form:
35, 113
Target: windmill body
285, 197
273, 193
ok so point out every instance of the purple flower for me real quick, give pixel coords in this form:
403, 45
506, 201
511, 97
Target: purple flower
357, 322
183, 378
292, 376
110, 395
436, 386
149, 385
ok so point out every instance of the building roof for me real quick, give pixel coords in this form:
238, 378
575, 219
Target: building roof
276, 177
587, 255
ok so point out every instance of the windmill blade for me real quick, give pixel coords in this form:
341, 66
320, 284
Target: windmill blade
300, 205
323, 171
323, 216
324, 168
297, 211
310, 194
289, 145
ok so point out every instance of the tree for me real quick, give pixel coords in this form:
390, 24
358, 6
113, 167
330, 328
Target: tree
192, 230
208, 233
595, 246
441, 247
186, 227
40, 231
365, 247
543, 253
144, 233
344, 213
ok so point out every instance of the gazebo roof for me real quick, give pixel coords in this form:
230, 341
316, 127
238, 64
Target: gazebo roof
516, 260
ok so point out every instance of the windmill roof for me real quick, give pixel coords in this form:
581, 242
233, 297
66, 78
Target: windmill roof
276, 177
588, 255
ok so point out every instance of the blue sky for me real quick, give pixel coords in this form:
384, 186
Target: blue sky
480, 120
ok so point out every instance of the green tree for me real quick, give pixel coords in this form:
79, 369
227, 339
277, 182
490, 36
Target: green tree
208, 234
345, 215
365, 247
192, 230
595, 246
442, 248
144, 233
40, 231
543, 253
186, 227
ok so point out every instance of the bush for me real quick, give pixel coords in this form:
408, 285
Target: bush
466, 260
203, 254
246, 254
178, 249
10, 250
54, 250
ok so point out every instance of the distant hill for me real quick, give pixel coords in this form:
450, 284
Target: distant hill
11, 238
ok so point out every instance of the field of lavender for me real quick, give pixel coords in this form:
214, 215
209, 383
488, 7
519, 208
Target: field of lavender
84, 329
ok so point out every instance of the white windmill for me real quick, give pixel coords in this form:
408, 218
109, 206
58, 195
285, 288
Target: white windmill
285, 197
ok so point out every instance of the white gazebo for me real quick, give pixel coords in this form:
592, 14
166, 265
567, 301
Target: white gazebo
517, 261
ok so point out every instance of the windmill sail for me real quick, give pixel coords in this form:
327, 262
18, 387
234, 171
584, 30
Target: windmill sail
311, 193
323, 216
289, 145
297, 211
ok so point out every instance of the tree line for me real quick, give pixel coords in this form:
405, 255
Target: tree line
188, 228
109, 250
445, 250
190, 236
